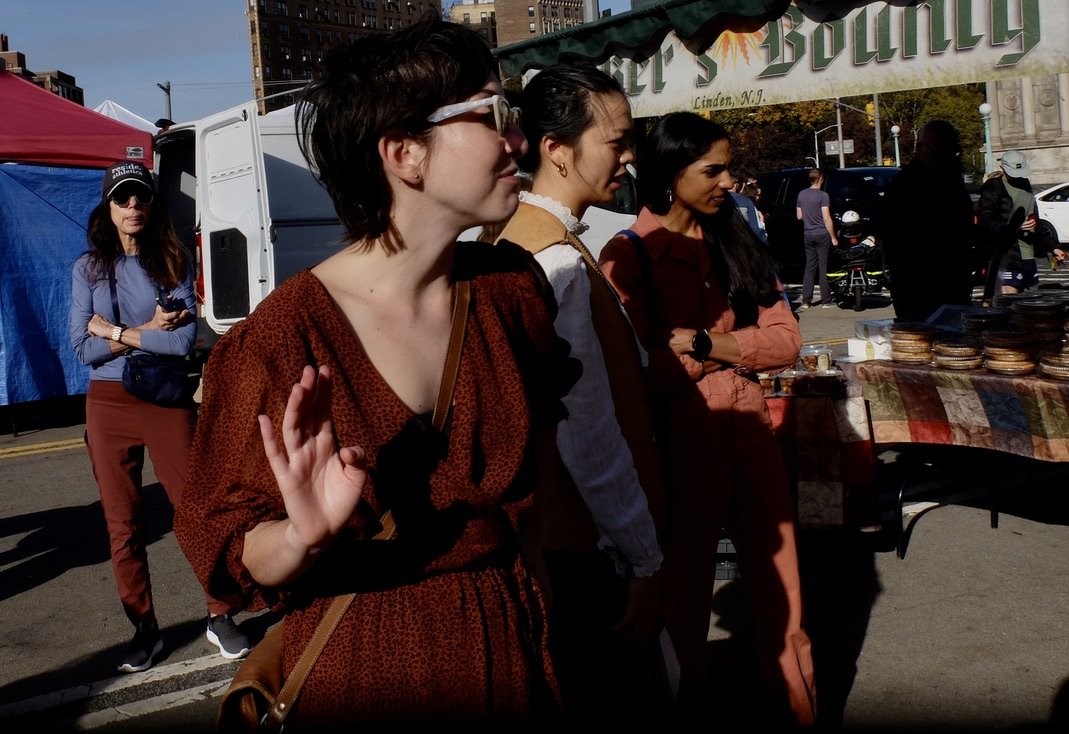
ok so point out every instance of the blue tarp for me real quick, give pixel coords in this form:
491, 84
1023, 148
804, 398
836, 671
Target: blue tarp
43, 216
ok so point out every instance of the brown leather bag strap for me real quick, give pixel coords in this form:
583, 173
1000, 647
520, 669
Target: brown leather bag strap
276, 716
452, 355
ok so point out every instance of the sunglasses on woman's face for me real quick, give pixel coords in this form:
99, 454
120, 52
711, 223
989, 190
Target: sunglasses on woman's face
140, 195
506, 117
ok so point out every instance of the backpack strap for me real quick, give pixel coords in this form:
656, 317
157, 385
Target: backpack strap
645, 266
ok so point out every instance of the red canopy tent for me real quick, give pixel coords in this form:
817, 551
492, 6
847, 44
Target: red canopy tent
37, 126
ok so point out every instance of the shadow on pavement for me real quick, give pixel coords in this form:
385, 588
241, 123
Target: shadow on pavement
68, 537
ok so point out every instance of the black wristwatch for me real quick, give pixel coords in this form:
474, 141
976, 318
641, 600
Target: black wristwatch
700, 345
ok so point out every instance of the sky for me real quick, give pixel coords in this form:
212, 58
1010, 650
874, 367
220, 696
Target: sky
120, 50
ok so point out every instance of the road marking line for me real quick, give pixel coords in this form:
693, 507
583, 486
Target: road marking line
41, 448
46, 701
135, 709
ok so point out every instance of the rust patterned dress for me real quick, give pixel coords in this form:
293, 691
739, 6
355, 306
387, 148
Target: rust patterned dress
447, 625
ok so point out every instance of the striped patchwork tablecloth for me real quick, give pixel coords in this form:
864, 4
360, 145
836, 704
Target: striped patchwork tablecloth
828, 448
1027, 416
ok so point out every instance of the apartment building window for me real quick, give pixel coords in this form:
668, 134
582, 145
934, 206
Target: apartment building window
267, 72
306, 55
482, 16
265, 51
302, 12
304, 34
262, 4
286, 72
530, 11
531, 27
282, 9
369, 4
283, 30
307, 75
467, 17
284, 52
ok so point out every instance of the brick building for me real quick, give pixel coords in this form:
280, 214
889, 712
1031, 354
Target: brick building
54, 81
289, 39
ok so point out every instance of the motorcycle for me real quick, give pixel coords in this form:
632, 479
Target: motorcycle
855, 267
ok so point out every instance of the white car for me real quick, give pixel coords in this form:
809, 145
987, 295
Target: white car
1054, 209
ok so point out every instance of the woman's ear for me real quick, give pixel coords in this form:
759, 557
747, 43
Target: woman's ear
554, 152
403, 157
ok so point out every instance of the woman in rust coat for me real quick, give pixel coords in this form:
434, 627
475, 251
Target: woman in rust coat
316, 413
703, 296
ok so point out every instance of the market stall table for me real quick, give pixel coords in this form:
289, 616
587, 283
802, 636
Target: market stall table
1026, 416
828, 448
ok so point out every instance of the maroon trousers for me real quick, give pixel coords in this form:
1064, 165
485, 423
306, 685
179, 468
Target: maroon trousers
119, 428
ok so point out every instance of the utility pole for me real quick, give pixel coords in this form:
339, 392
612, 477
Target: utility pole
166, 87
876, 122
839, 125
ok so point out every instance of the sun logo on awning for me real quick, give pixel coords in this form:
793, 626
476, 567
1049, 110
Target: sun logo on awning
730, 46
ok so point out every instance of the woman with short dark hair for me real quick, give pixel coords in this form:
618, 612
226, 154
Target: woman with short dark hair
318, 425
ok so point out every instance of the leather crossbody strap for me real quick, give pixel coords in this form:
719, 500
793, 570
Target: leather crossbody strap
276, 715
452, 355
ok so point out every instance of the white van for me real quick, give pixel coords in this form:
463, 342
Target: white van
244, 200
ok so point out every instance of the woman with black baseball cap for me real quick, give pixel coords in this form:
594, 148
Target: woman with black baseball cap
118, 307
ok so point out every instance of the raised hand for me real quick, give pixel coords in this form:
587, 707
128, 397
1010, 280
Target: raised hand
320, 483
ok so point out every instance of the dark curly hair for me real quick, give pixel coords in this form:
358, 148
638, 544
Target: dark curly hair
378, 84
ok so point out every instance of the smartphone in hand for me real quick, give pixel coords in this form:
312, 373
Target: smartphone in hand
169, 304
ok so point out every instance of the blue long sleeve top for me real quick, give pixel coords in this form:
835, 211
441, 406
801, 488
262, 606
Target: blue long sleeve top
136, 293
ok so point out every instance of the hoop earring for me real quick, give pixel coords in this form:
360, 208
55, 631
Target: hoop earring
562, 170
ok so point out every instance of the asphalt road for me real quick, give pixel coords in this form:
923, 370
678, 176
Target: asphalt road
968, 632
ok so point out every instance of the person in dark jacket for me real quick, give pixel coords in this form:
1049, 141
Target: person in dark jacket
1007, 210
928, 227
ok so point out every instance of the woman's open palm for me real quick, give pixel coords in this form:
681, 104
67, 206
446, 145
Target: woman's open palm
320, 483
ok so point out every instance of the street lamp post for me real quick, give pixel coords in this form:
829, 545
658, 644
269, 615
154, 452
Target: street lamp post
895, 130
816, 143
989, 156
166, 89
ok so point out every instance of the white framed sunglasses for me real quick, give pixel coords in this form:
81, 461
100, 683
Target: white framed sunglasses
506, 117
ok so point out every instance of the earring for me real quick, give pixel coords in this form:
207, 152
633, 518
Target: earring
669, 195
562, 170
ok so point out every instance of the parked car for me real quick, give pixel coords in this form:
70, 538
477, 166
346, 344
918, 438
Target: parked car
1053, 206
860, 189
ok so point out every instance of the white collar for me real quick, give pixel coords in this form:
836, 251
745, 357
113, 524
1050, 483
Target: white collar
554, 207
